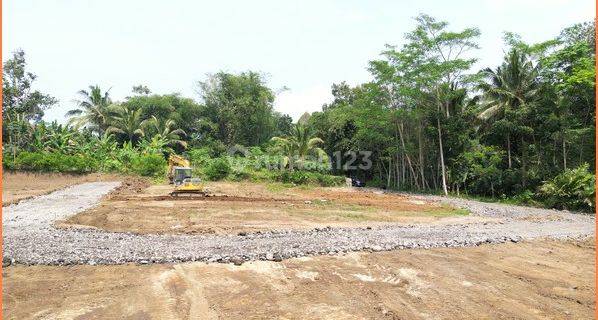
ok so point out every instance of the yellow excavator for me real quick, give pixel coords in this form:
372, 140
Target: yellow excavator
180, 174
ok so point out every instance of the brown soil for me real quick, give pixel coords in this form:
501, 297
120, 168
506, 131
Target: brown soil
17, 186
249, 207
129, 186
533, 280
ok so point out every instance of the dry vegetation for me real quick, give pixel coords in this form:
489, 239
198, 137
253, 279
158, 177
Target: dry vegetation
535, 280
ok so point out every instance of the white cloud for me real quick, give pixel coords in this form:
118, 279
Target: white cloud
295, 103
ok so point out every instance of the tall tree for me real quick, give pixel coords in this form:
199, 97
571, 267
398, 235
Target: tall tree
508, 95
165, 131
241, 106
420, 79
300, 144
18, 96
92, 110
21, 105
126, 122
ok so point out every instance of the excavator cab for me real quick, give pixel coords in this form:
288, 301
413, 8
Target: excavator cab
178, 166
180, 174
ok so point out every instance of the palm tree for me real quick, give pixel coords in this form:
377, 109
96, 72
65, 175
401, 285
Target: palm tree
127, 122
511, 86
165, 131
299, 144
92, 110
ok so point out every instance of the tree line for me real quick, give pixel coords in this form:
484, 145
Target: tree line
429, 121
432, 122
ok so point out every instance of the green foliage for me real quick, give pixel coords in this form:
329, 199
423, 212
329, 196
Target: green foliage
126, 122
53, 162
92, 110
424, 125
478, 170
239, 108
17, 95
149, 165
574, 189
305, 177
299, 145
240, 174
217, 169
200, 157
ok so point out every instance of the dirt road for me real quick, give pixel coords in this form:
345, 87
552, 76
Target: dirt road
530, 280
17, 186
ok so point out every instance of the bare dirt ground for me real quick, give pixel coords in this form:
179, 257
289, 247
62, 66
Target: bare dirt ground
250, 207
533, 279
17, 186
530, 280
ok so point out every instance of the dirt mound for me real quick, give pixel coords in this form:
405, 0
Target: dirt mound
208, 197
129, 186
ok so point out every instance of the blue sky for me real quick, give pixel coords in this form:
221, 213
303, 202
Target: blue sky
303, 45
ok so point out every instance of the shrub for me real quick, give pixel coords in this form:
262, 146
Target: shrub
149, 165
327, 180
573, 189
113, 165
299, 177
54, 162
525, 197
238, 174
200, 156
218, 169
296, 177
8, 162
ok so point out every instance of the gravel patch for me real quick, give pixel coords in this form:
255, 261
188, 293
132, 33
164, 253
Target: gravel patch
30, 237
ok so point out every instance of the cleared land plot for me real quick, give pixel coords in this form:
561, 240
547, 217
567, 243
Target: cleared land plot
531, 280
250, 207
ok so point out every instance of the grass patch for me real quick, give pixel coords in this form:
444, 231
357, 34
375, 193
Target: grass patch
278, 187
355, 216
448, 211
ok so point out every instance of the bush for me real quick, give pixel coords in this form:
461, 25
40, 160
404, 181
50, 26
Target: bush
218, 169
113, 165
8, 162
326, 180
573, 189
304, 177
54, 162
149, 165
239, 174
295, 177
200, 157
525, 197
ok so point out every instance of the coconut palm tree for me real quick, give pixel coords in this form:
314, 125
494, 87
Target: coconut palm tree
92, 110
127, 122
510, 87
299, 144
165, 132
